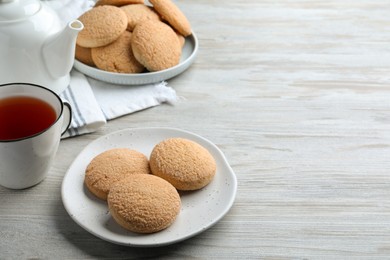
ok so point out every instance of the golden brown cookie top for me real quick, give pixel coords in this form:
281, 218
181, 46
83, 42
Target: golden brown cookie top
102, 25
156, 45
170, 12
184, 163
112, 166
118, 2
137, 13
144, 203
117, 56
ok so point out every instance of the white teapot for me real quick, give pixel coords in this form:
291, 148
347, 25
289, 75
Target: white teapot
34, 47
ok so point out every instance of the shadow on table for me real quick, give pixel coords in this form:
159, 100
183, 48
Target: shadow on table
93, 246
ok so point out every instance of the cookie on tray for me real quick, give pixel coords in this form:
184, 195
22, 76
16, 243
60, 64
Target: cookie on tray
102, 25
83, 55
137, 13
181, 38
117, 56
144, 203
112, 166
118, 2
155, 45
184, 163
169, 11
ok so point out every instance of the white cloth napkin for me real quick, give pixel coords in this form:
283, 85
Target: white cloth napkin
94, 102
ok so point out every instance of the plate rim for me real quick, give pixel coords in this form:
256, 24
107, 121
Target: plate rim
220, 215
172, 71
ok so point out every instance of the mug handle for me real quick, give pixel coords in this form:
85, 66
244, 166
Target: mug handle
67, 117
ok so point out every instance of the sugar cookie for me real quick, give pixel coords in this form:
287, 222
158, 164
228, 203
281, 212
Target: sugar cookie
102, 25
118, 2
83, 55
181, 38
155, 45
138, 13
173, 15
117, 56
111, 166
185, 164
144, 203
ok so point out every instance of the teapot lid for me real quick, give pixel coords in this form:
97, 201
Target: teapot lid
18, 9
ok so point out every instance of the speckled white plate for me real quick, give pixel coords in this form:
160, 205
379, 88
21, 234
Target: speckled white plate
189, 51
200, 209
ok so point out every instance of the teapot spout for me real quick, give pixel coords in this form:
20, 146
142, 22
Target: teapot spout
58, 51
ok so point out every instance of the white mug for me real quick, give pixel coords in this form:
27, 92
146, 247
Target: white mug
25, 160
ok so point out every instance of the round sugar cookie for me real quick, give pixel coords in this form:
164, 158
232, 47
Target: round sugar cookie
117, 56
170, 12
112, 166
137, 13
144, 203
118, 2
184, 163
102, 25
84, 55
155, 45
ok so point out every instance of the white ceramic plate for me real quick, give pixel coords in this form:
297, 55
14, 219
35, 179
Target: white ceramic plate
189, 51
200, 209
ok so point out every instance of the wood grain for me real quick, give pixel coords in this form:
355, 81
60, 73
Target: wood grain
296, 94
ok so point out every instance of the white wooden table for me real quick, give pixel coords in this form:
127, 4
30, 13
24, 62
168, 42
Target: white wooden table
297, 96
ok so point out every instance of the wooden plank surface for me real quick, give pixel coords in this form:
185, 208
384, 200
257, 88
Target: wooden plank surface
296, 94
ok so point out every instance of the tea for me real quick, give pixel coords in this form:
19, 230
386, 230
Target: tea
23, 116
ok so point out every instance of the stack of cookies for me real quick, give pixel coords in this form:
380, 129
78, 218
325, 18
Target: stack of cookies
142, 195
128, 36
